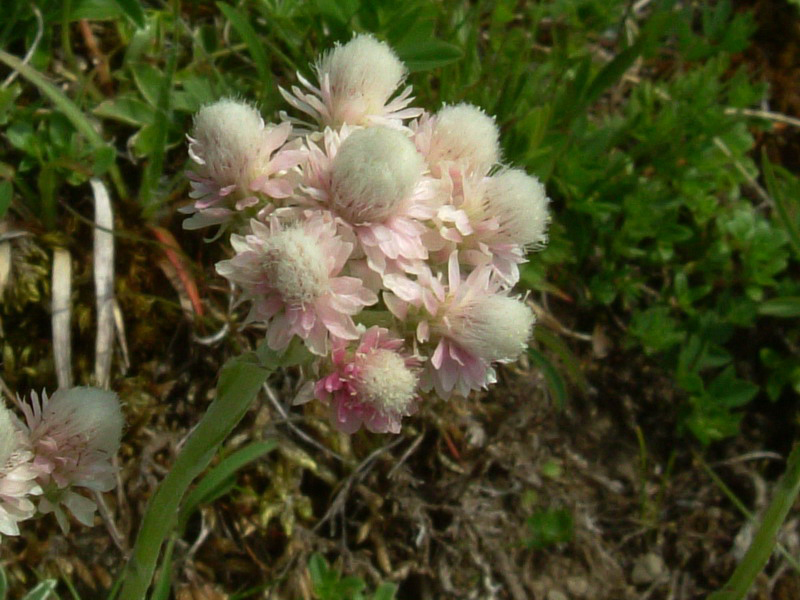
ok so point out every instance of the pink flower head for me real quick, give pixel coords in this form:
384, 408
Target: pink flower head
74, 435
459, 138
372, 181
292, 277
236, 155
356, 81
375, 386
495, 220
473, 325
17, 475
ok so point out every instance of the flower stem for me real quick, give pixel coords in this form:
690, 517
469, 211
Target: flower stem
239, 383
764, 542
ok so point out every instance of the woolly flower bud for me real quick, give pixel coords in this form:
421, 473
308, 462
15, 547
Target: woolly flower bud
466, 135
17, 476
230, 134
519, 203
494, 328
295, 265
386, 381
363, 74
374, 171
74, 435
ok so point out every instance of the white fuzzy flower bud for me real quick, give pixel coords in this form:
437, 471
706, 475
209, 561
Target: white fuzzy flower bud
84, 419
374, 171
464, 134
519, 203
494, 328
227, 140
295, 266
363, 74
386, 382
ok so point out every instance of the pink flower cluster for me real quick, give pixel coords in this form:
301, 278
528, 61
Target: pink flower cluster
364, 210
65, 442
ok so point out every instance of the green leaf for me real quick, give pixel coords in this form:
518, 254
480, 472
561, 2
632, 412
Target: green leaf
64, 104
730, 391
43, 590
317, 568
127, 110
421, 51
94, 10
6, 192
385, 591
254, 46
549, 527
3, 584
340, 11
149, 80
133, 10
216, 480
786, 307
555, 382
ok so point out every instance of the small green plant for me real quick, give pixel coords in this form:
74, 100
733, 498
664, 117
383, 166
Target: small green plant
330, 585
548, 527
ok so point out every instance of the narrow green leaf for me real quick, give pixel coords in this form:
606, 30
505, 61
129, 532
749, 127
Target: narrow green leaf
3, 584
787, 307
163, 118
239, 382
766, 536
133, 10
207, 489
555, 382
43, 590
317, 568
94, 10
254, 45
163, 585
64, 104
6, 192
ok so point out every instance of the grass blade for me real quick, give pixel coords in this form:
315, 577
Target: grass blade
43, 590
208, 488
133, 10
555, 382
64, 104
254, 45
766, 537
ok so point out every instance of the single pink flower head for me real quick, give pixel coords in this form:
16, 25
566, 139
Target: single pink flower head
74, 435
375, 386
371, 179
292, 276
495, 220
459, 137
17, 475
356, 82
473, 325
236, 155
